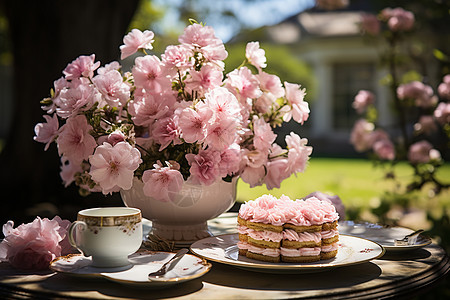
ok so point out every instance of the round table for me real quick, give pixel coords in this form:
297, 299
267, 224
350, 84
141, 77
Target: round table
393, 275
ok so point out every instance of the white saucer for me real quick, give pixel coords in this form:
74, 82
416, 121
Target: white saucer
383, 235
141, 264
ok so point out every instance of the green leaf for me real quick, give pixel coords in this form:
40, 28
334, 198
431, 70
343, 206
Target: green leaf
440, 55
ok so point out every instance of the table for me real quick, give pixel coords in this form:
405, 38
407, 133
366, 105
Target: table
393, 275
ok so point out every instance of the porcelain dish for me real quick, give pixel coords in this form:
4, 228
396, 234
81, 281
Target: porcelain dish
384, 235
223, 249
136, 273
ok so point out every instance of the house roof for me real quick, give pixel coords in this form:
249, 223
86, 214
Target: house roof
317, 25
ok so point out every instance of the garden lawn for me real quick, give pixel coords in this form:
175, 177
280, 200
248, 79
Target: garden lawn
356, 181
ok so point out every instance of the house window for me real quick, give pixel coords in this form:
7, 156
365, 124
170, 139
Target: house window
348, 79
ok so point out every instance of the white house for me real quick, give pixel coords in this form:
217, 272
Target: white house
343, 62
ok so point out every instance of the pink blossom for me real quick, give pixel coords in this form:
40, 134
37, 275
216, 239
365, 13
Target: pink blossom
255, 55
299, 108
421, 152
198, 35
58, 85
204, 40
161, 181
136, 40
112, 167
221, 133
362, 100
253, 158
68, 171
444, 88
271, 84
83, 66
47, 132
442, 113
34, 245
384, 149
111, 86
426, 124
244, 83
298, 154
74, 140
193, 124
146, 107
265, 103
204, 166
416, 90
115, 137
253, 175
370, 24
215, 52
178, 56
150, 74
112, 66
223, 104
398, 19
263, 134
166, 131
79, 97
377, 135
204, 80
229, 161
360, 136
277, 171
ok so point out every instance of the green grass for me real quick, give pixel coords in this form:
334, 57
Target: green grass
357, 182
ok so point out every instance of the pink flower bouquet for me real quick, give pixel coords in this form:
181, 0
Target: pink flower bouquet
34, 245
173, 118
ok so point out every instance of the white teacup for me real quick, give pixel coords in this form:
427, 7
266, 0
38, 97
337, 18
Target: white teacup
108, 234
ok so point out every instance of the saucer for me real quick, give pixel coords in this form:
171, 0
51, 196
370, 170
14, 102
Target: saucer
141, 264
384, 235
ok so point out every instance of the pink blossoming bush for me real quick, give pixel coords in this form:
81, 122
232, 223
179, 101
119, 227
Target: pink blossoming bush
421, 128
34, 245
173, 118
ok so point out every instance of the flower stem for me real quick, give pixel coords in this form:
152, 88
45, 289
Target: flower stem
394, 85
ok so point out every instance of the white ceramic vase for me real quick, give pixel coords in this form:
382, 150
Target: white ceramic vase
183, 220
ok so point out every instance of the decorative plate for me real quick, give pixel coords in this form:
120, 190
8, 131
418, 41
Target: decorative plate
223, 249
141, 264
383, 235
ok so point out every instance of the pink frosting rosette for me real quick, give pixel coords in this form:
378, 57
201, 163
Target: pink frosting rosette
277, 216
260, 216
334, 200
298, 219
311, 210
246, 211
266, 201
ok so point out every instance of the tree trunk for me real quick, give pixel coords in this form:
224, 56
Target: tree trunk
46, 36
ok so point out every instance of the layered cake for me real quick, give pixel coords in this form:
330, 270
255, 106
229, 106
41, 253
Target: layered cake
275, 230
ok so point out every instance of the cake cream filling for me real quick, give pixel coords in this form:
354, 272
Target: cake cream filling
292, 235
300, 251
327, 234
329, 248
274, 252
264, 235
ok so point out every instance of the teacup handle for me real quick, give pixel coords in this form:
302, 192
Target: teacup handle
72, 238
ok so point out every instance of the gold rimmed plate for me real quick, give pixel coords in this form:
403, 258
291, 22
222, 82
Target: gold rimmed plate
223, 249
136, 273
384, 235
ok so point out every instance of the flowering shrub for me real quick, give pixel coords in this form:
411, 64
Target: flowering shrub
173, 118
36, 244
423, 116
